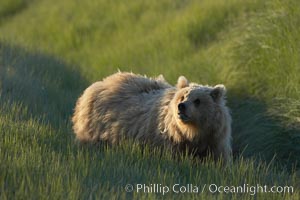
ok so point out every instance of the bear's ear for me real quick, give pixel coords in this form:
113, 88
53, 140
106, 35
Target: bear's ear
161, 78
182, 82
218, 92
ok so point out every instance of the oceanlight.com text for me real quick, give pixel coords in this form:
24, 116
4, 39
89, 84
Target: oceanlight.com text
211, 188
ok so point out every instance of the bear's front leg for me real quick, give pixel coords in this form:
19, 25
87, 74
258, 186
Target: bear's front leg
223, 151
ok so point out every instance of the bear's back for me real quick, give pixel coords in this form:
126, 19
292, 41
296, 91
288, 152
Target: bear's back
131, 84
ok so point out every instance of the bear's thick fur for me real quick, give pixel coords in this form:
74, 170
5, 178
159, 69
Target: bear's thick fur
187, 117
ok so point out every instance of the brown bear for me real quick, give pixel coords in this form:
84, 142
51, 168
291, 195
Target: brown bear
188, 117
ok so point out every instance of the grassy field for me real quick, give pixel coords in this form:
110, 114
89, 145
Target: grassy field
50, 51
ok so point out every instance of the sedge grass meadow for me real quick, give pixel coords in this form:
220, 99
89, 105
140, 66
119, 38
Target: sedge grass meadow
50, 51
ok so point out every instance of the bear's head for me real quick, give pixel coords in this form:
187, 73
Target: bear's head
198, 108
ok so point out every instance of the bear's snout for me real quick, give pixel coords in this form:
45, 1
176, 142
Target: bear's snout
181, 107
182, 112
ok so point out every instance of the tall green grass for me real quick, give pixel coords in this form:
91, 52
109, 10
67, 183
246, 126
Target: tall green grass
11, 7
263, 63
51, 50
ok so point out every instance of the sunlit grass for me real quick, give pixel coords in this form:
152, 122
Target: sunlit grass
51, 50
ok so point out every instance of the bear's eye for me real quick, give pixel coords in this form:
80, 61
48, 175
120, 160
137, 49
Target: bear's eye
197, 102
